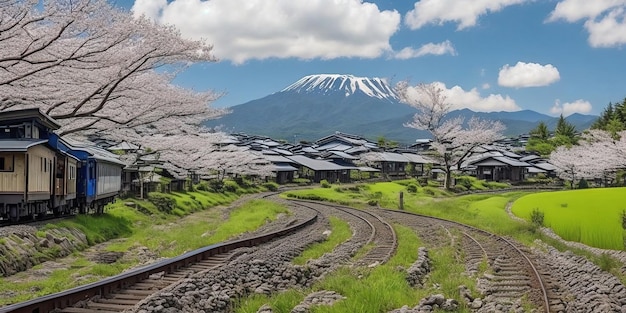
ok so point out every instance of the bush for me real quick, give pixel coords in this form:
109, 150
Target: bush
216, 185
271, 186
302, 181
203, 186
372, 202
583, 184
325, 184
163, 202
243, 183
232, 186
412, 188
464, 181
536, 217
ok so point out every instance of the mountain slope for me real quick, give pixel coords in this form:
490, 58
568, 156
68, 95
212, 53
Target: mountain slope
318, 105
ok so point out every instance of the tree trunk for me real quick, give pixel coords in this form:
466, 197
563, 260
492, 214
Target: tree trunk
448, 179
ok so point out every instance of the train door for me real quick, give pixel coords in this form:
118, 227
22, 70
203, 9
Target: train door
91, 181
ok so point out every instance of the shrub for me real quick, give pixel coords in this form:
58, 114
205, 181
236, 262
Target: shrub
231, 186
204, 186
459, 188
536, 217
216, 185
583, 184
325, 184
623, 216
163, 202
412, 188
271, 186
464, 181
243, 183
372, 202
302, 181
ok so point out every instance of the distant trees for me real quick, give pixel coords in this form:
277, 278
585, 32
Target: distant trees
453, 140
612, 119
543, 143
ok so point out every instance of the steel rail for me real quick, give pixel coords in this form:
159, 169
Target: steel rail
535, 272
110, 285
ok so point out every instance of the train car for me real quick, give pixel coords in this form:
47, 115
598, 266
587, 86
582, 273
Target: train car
27, 163
42, 173
65, 176
99, 175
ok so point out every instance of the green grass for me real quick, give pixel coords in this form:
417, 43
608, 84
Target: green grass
379, 289
340, 232
155, 230
590, 216
200, 232
481, 210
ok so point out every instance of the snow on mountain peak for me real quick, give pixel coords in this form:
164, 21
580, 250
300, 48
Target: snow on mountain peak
349, 84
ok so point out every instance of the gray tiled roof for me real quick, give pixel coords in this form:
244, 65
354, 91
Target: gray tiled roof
19, 145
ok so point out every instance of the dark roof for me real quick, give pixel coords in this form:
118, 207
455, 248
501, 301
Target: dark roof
317, 165
498, 160
284, 168
19, 145
28, 114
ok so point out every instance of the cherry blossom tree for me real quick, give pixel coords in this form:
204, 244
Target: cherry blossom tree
101, 72
452, 140
97, 69
597, 155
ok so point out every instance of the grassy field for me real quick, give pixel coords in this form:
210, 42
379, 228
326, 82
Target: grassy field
378, 289
166, 234
590, 216
481, 210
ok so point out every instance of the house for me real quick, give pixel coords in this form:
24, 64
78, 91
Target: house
317, 170
500, 168
284, 168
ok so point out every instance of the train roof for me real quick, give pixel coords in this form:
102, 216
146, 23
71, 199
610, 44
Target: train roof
29, 114
92, 149
19, 145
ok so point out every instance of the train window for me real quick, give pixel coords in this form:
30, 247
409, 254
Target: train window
6, 163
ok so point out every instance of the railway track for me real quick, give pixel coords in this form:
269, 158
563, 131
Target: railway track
121, 292
513, 275
382, 237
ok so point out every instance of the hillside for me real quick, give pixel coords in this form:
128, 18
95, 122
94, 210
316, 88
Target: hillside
318, 105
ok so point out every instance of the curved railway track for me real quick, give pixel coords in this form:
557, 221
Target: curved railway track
123, 291
382, 237
514, 275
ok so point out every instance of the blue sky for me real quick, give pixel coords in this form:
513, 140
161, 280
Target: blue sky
553, 57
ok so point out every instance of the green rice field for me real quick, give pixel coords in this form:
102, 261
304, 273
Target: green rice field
590, 216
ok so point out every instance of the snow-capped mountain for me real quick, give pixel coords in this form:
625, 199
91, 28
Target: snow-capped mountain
318, 105
347, 85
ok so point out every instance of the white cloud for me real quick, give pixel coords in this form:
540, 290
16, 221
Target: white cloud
486, 86
429, 48
569, 108
605, 20
473, 100
575, 10
464, 12
241, 30
610, 31
527, 75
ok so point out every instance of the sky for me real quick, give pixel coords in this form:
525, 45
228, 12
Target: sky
551, 56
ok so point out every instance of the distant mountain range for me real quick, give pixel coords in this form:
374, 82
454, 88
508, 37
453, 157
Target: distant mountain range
318, 105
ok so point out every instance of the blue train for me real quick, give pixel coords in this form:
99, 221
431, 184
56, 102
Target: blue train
42, 173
